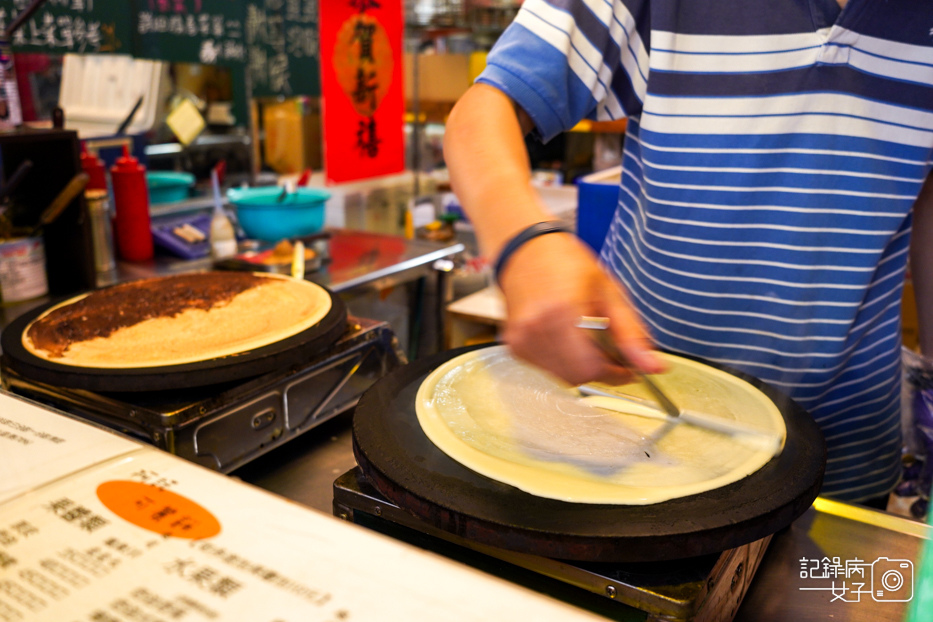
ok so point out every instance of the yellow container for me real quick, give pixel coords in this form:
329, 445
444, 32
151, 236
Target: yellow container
293, 135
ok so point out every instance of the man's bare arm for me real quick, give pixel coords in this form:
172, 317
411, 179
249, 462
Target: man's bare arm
550, 280
485, 152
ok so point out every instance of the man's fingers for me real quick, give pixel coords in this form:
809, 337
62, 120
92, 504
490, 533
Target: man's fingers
564, 350
631, 336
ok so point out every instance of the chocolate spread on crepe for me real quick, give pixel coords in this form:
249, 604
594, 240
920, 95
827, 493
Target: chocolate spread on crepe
101, 313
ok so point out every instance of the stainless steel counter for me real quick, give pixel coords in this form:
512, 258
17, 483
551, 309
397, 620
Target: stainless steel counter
358, 259
304, 471
785, 587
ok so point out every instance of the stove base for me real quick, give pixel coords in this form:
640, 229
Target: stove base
225, 426
700, 589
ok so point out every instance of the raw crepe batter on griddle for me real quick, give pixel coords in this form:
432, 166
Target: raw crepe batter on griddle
516, 424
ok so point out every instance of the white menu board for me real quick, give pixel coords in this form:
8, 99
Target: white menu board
143, 536
38, 445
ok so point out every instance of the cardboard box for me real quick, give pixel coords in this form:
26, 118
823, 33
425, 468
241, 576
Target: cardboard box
441, 77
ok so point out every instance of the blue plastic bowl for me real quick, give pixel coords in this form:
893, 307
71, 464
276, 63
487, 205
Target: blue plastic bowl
264, 217
168, 187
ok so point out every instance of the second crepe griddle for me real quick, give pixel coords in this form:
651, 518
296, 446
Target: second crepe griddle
282, 354
406, 467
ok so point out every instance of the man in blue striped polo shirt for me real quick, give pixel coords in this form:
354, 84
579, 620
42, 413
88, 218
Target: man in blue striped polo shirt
773, 170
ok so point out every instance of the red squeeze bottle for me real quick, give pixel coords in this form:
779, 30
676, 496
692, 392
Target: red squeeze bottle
131, 228
95, 169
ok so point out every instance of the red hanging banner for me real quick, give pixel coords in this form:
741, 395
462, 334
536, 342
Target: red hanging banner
363, 99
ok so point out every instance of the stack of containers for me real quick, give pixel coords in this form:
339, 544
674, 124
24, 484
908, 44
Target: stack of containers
98, 207
98, 92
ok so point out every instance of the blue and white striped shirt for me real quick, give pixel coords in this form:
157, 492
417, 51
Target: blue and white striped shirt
773, 155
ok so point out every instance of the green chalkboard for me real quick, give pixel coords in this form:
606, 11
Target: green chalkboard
190, 31
80, 26
283, 47
277, 41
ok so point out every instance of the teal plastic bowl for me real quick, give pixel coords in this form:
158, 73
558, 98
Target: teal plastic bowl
169, 187
264, 217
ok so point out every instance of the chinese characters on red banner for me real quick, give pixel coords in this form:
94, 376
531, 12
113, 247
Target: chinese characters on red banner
363, 98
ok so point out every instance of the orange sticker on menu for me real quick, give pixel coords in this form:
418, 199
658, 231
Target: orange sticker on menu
158, 510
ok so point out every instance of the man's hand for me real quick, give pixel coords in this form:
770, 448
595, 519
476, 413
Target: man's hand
549, 283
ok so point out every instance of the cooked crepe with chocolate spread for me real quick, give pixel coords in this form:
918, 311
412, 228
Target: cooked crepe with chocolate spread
175, 320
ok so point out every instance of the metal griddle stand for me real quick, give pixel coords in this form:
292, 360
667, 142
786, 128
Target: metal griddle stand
700, 589
224, 426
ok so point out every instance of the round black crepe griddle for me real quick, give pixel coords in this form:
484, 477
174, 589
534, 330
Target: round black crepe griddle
279, 355
409, 470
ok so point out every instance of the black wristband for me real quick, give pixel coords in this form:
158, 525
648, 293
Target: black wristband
528, 233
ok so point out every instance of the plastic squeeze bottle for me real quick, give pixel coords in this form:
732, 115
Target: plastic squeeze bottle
131, 227
94, 167
223, 238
